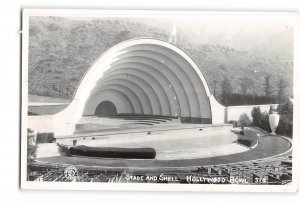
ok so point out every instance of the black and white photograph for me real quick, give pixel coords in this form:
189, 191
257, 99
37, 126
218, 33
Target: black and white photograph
159, 100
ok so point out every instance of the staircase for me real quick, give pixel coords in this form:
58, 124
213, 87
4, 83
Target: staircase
94, 123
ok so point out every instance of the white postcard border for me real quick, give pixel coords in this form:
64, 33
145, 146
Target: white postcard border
291, 17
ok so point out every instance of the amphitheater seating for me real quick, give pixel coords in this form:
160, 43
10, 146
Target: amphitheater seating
94, 124
273, 171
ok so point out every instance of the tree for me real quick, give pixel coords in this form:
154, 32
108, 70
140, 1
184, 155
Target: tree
256, 116
226, 89
265, 125
31, 145
260, 119
285, 126
267, 86
214, 86
121, 36
244, 120
281, 94
245, 84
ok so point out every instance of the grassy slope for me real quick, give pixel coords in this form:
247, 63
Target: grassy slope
61, 51
46, 99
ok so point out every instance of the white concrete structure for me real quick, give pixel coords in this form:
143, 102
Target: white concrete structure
233, 113
143, 76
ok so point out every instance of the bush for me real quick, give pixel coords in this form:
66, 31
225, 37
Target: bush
46, 137
244, 120
285, 108
285, 126
260, 119
31, 145
265, 124
113, 152
237, 99
256, 116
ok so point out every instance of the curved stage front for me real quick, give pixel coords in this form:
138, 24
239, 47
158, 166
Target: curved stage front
268, 146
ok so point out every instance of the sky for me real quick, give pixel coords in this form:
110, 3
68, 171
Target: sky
261, 36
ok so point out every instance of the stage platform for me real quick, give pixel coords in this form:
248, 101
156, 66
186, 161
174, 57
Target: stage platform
176, 145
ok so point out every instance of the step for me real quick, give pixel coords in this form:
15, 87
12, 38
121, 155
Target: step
47, 150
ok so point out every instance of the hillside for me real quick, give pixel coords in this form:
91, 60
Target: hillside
61, 50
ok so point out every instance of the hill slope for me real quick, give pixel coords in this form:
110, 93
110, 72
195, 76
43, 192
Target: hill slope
61, 50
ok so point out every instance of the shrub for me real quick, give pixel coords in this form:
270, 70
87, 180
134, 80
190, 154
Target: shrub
113, 152
244, 120
31, 145
46, 137
285, 126
260, 119
285, 108
265, 124
256, 116
236, 99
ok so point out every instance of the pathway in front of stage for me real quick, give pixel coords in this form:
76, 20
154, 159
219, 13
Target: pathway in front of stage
268, 146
